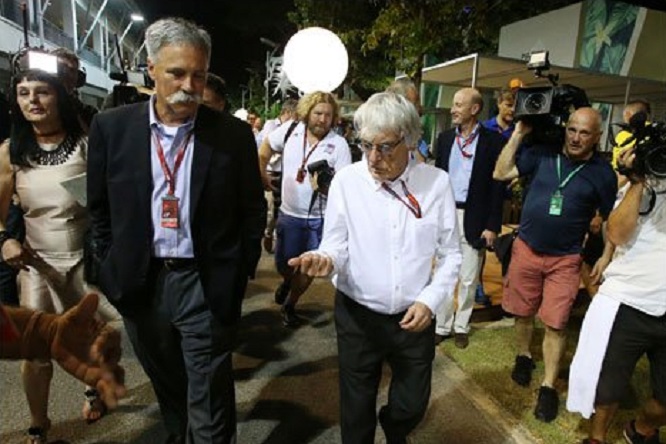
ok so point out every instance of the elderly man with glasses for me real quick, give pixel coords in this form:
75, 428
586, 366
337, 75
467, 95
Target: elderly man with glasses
392, 247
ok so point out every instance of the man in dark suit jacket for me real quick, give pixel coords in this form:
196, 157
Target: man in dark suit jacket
177, 213
468, 152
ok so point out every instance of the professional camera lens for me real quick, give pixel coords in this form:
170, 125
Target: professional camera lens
536, 103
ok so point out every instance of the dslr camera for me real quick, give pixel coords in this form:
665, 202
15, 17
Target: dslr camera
547, 108
650, 148
323, 174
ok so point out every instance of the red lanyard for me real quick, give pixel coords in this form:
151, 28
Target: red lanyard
168, 174
412, 204
300, 174
466, 142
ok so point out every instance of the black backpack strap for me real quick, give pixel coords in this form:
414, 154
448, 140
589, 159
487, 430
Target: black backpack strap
291, 129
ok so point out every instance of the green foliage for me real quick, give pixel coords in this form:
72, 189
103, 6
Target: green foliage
385, 36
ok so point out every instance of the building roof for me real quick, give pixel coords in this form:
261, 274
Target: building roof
494, 72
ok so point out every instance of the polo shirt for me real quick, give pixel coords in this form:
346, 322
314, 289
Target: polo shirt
593, 188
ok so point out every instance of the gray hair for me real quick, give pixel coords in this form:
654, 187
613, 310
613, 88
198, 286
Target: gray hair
388, 112
401, 86
175, 31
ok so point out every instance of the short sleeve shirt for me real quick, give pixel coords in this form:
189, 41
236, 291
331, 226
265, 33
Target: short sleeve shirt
592, 188
297, 196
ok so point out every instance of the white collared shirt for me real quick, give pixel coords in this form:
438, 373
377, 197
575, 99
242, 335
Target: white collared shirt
384, 257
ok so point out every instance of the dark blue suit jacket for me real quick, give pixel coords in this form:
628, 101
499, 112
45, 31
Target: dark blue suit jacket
227, 207
483, 208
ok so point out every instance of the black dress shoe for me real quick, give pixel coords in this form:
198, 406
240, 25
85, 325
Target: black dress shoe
441, 338
289, 317
281, 293
461, 340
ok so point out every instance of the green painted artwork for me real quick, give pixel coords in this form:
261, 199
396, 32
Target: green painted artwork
608, 28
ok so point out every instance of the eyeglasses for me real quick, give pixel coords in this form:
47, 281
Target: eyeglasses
385, 148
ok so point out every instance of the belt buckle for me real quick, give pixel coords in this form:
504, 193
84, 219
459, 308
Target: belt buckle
170, 264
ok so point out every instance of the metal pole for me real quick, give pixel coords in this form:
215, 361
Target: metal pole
475, 70
267, 82
92, 27
41, 9
75, 31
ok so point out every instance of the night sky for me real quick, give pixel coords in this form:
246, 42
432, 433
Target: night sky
235, 27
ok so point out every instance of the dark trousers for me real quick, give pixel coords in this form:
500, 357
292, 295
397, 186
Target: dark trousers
365, 341
634, 334
186, 353
16, 227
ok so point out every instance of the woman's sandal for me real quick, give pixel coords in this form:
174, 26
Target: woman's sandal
37, 435
94, 408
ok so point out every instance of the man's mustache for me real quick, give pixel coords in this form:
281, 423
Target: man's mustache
183, 97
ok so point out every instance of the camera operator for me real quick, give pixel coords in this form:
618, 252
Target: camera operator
300, 220
623, 139
627, 318
568, 187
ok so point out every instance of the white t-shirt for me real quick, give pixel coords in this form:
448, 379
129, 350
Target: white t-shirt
636, 276
296, 196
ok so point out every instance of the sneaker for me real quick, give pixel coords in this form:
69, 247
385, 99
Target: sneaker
633, 437
289, 317
547, 404
522, 370
461, 340
281, 293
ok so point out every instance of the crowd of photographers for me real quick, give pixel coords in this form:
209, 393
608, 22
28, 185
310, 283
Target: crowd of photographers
396, 235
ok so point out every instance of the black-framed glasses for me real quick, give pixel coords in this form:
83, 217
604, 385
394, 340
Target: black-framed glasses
385, 148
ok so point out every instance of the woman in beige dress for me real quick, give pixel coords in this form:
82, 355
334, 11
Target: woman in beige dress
47, 146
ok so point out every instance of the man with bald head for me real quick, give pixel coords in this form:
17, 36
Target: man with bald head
568, 187
468, 152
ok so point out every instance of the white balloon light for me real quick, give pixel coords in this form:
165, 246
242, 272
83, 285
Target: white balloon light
315, 59
241, 113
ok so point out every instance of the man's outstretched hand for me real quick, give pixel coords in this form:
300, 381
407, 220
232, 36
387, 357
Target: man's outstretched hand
312, 264
89, 350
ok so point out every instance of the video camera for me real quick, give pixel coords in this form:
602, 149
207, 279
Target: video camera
547, 108
135, 86
324, 175
650, 149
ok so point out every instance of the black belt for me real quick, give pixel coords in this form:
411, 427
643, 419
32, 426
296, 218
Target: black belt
175, 263
460, 205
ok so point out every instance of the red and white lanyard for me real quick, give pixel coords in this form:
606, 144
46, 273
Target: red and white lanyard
412, 204
465, 143
170, 175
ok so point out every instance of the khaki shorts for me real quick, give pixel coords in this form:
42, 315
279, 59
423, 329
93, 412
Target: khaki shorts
541, 284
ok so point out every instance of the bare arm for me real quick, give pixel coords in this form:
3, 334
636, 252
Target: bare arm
623, 220
505, 168
6, 183
265, 153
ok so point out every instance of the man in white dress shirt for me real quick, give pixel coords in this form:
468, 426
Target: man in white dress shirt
391, 244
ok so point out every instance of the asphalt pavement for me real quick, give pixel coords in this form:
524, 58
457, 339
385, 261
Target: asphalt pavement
287, 390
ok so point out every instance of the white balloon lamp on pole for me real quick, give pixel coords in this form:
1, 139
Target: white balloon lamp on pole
315, 59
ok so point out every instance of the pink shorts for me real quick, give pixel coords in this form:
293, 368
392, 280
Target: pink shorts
540, 283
